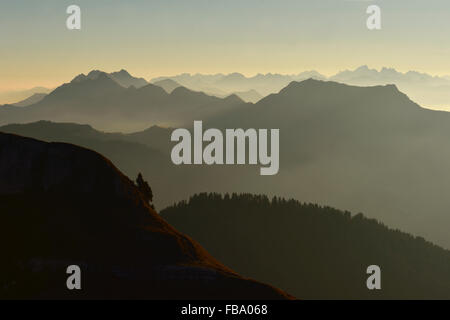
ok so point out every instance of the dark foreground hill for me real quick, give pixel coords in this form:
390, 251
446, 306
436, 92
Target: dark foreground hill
63, 205
313, 251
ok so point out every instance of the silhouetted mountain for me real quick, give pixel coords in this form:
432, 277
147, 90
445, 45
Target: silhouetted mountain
312, 251
99, 100
167, 84
183, 93
312, 74
429, 91
63, 205
68, 132
122, 77
368, 150
170, 85
35, 98
195, 81
126, 80
147, 151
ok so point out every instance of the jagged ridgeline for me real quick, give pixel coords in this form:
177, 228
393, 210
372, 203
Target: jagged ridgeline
312, 251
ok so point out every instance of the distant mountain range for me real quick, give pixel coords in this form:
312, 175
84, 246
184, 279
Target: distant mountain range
221, 85
365, 149
366, 76
248, 96
429, 91
63, 205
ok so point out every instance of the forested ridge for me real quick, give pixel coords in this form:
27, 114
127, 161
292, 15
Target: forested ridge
312, 251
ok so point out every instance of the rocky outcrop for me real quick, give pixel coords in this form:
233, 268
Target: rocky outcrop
61, 204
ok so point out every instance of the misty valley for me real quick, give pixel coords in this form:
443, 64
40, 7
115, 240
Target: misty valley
223, 159
166, 167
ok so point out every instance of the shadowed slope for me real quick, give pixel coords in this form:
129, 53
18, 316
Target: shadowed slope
62, 205
314, 252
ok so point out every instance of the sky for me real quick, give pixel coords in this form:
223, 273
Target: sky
167, 37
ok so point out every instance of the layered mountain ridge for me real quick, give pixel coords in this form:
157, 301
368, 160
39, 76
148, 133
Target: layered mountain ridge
364, 149
98, 99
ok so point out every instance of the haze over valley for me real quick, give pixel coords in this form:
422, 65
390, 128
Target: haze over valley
364, 149
225, 150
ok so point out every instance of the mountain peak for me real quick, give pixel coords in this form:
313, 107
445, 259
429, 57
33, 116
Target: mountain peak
125, 79
183, 91
122, 77
153, 90
122, 72
167, 84
234, 98
307, 82
322, 85
92, 75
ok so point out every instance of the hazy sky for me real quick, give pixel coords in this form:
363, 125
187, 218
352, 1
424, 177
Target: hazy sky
152, 38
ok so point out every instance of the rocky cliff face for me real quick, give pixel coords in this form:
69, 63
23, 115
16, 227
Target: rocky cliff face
61, 205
